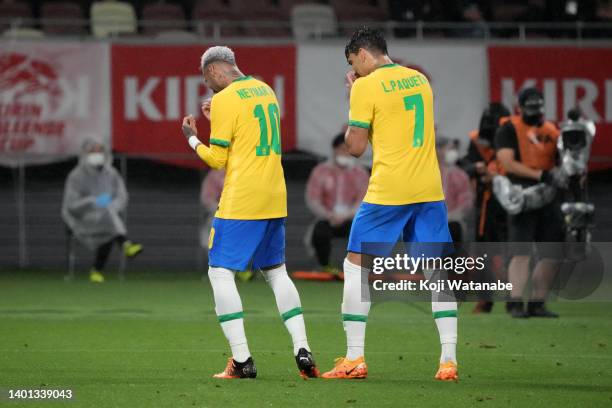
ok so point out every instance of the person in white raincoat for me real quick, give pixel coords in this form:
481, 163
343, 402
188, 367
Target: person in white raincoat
95, 199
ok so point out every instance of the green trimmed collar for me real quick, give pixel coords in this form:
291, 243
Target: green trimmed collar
243, 78
388, 65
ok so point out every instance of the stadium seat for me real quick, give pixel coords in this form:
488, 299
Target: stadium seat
508, 12
354, 13
64, 17
206, 13
263, 19
158, 17
20, 13
286, 6
112, 18
313, 20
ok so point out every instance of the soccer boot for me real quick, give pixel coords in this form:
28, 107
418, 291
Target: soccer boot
306, 364
538, 309
131, 249
245, 276
447, 372
334, 271
96, 276
235, 370
348, 369
483, 306
331, 269
517, 310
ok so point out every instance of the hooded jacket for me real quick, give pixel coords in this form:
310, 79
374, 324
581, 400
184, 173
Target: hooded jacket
93, 225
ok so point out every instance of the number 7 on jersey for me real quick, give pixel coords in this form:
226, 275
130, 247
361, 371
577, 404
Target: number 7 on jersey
415, 102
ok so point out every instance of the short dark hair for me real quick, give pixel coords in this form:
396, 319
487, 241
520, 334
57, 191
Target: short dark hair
338, 140
371, 39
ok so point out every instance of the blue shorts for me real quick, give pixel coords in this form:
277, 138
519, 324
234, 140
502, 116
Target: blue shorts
234, 244
419, 222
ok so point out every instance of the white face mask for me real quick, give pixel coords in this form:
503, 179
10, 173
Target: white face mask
96, 159
451, 156
345, 161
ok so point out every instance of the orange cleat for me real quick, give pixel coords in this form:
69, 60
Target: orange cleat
447, 372
347, 369
235, 370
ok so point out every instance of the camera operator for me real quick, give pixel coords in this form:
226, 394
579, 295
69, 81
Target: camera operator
526, 147
481, 165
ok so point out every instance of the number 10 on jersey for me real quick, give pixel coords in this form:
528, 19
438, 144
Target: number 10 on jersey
263, 149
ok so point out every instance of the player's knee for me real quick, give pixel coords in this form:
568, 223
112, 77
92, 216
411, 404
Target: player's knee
273, 274
217, 274
352, 261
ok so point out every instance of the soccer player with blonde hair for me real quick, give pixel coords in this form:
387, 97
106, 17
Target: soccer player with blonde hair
249, 226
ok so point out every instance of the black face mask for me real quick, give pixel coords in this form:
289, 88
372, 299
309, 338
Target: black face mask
533, 119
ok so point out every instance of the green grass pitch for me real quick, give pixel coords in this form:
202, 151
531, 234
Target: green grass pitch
153, 341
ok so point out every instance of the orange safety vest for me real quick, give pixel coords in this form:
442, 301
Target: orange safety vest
537, 144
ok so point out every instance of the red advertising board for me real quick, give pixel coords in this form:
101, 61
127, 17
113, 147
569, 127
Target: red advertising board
53, 96
155, 86
568, 76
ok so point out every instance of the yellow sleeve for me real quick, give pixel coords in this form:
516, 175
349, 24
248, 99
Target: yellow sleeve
361, 105
222, 121
215, 156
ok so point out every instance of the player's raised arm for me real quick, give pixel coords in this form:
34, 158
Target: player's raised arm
215, 155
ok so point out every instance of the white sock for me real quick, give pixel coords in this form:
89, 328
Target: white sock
289, 306
445, 316
444, 309
229, 311
354, 310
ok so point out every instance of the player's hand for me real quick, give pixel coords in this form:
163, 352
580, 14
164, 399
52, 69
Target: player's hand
206, 108
189, 127
351, 77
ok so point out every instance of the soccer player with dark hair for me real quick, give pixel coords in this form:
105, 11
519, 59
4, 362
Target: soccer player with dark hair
391, 107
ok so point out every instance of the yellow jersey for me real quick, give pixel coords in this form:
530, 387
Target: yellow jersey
396, 104
245, 118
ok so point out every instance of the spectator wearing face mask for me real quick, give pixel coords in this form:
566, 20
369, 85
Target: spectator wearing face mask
94, 200
456, 185
334, 192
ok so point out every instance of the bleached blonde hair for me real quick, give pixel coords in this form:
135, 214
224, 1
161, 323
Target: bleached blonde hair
217, 54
